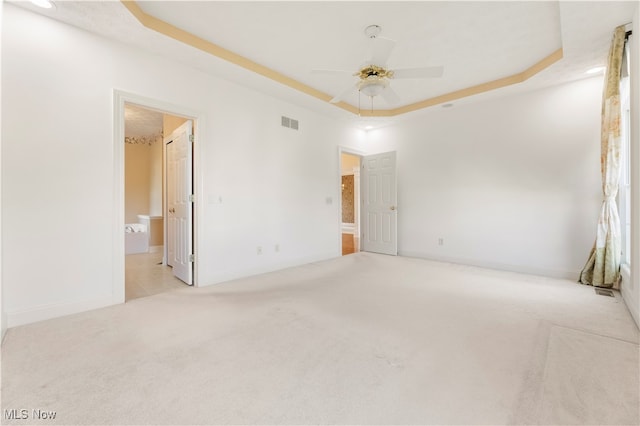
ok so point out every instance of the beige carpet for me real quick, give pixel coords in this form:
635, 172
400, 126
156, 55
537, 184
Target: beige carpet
362, 339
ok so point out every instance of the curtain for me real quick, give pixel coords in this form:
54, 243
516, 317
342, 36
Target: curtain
603, 267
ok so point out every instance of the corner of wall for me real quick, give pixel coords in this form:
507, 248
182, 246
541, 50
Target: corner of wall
3, 317
627, 288
631, 285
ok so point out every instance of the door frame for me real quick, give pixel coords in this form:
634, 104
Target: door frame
357, 153
119, 99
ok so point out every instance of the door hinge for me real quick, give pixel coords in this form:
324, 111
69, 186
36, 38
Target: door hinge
192, 258
192, 198
191, 138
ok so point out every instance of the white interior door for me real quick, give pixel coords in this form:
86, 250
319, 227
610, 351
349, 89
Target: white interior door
180, 202
379, 210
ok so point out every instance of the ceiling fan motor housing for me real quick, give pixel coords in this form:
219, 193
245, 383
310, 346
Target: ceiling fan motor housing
374, 71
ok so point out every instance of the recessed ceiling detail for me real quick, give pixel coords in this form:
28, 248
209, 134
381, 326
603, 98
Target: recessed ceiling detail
197, 41
488, 49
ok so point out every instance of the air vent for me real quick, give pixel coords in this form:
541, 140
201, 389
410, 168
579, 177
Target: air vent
289, 123
604, 292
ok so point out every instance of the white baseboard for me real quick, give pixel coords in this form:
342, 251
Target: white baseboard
50, 311
626, 289
45, 312
551, 273
234, 275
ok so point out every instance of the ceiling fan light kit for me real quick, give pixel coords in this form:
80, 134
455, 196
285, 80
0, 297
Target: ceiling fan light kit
374, 77
372, 88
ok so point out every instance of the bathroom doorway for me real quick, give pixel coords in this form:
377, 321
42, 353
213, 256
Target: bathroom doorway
146, 270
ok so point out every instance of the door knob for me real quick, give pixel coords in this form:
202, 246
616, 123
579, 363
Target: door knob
392, 207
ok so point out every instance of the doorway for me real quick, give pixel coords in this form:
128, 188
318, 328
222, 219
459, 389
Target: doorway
350, 202
146, 178
369, 219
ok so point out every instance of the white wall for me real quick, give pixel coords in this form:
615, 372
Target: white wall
58, 168
511, 184
631, 288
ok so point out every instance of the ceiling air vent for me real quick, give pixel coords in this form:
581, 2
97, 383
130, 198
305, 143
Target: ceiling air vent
289, 123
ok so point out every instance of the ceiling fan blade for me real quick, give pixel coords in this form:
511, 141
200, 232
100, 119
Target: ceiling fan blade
331, 72
344, 93
424, 72
390, 96
381, 50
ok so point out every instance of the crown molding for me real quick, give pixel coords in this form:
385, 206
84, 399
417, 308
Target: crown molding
192, 40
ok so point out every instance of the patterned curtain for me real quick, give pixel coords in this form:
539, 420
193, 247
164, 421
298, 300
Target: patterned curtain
603, 267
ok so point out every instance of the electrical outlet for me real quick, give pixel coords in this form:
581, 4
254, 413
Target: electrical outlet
259, 250
440, 241
277, 248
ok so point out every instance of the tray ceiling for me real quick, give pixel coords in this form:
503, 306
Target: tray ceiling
477, 42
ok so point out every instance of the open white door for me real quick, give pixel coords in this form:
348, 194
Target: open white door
180, 202
379, 210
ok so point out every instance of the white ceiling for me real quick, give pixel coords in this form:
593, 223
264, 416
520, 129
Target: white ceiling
476, 41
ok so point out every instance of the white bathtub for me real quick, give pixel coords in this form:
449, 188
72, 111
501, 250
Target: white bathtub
136, 238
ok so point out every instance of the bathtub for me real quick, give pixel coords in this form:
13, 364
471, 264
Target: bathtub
136, 238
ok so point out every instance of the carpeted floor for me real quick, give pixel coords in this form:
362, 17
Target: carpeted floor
362, 339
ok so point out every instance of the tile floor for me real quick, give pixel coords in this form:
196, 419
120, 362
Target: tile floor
145, 276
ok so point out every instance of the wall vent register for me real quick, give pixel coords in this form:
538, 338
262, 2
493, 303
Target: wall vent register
289, 123
604, 292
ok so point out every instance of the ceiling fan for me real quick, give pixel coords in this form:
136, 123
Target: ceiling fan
373, 77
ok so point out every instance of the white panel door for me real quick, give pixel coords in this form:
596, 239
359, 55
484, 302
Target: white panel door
379, 199
179, 202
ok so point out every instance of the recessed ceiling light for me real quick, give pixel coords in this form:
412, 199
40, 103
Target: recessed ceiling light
368, 127
45, 4
595, 70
